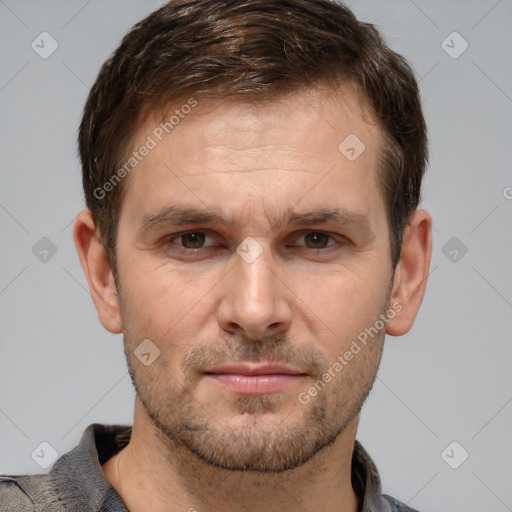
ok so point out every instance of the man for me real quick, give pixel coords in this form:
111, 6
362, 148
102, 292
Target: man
252, 173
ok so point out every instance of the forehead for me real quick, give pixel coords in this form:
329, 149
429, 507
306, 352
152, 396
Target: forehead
308, 141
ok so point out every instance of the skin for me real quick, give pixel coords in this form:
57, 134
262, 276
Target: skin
302, 301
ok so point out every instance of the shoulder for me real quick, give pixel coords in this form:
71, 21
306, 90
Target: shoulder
15, 493
76, 480
397, 506
29, 493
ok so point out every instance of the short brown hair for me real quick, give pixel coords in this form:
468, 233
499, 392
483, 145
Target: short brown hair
252, 50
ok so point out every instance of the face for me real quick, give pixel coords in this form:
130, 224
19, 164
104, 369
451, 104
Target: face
254, 254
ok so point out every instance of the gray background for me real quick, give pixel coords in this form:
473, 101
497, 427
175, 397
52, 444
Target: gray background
447, 380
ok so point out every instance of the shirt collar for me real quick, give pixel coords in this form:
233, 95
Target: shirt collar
85, 482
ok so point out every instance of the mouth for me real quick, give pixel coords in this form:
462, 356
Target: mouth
250, 379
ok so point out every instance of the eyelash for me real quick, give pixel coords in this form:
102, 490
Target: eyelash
337, 240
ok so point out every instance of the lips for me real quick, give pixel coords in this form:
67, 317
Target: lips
250, 379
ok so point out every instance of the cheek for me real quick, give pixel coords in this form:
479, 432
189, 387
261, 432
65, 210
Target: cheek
164, 305
342, 305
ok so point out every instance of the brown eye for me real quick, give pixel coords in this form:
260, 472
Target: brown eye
317, 240
193, 240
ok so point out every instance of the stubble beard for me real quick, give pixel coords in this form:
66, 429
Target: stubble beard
258, 437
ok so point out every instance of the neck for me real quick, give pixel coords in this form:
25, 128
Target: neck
177, 480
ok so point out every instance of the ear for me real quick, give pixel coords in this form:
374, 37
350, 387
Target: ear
96, 268
411, 273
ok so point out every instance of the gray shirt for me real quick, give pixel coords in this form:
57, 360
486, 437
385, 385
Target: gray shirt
76, 482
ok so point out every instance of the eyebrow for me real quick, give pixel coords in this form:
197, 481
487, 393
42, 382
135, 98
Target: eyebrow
175, 215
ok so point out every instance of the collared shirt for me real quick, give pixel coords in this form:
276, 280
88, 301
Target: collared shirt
76, 482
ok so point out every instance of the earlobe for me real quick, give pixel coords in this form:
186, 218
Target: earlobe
96, 267
410, 280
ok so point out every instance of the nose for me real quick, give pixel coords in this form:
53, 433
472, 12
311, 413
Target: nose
255, 302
